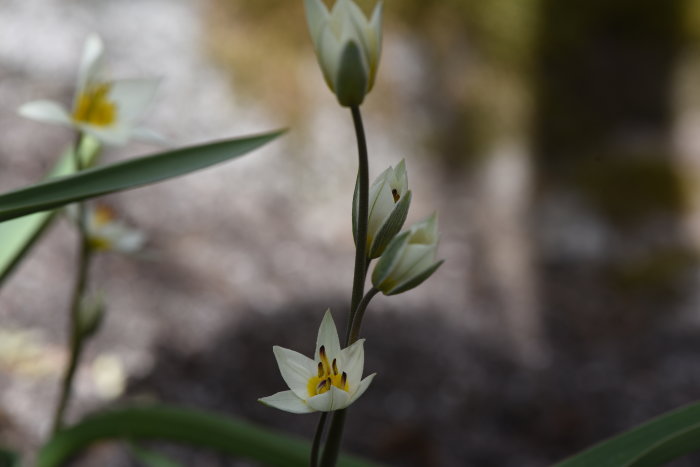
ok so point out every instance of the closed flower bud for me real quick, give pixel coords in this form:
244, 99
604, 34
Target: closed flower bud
90, 315
389, 200
348, 46
409, 259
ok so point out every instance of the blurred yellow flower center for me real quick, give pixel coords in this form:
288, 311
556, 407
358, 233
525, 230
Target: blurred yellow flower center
94, 106
327, 376
101, 216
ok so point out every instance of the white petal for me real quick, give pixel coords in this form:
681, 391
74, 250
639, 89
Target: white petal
287, 401
46, 111
316, 16
352, 363
401, 178
132, 96
328, 337
333, 399
414, 259
296, 370
149, 136
381, 208
90, 63
362, 388
329, 50
116, 135
130, 241
360, 25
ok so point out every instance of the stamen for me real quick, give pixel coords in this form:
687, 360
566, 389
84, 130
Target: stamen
320, 369
396, 195
343, 380
321, 386
324, 359
335, 367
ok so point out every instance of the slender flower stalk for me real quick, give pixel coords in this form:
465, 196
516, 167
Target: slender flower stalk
74, 327
335, 432
358, 284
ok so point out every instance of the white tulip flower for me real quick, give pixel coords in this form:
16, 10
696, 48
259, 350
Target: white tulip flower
105, 232
389, 200
107, 110
347, 45
331, 381
409, 259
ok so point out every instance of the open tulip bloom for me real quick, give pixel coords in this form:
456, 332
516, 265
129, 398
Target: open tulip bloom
348, 46
107, 110
331, 381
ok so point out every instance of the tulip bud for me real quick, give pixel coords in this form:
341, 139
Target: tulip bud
409, 259
90, 315
389, 200
347, 45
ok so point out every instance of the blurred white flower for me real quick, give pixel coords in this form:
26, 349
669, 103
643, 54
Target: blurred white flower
106, 232
348, 46
107, 110
409, 259
331, 381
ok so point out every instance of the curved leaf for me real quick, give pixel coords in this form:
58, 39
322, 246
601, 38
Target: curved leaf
124, 175
186, 426
654, 443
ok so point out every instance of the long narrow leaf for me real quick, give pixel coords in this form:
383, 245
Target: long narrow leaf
233, 437
19, 235
654, 443
124, 175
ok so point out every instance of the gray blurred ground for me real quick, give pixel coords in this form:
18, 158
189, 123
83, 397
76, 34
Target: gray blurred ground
249, 254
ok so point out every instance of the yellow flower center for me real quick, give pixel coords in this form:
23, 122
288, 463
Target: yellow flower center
328, 376
94, 106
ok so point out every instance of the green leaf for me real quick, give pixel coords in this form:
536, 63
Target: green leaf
196, 428
124, 175
19, 235
654, 443
150, 458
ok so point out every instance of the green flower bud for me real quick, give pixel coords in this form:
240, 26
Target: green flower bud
90, 315
389, 200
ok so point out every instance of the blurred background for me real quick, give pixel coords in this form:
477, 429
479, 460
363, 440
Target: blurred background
559, 142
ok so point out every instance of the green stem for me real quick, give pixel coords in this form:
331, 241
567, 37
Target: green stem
75, 339
361, 264
359, 313
335, 436
313, 461
335, 432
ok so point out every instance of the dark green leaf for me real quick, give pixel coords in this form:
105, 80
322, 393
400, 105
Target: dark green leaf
229, 436
654, 443
124, 175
